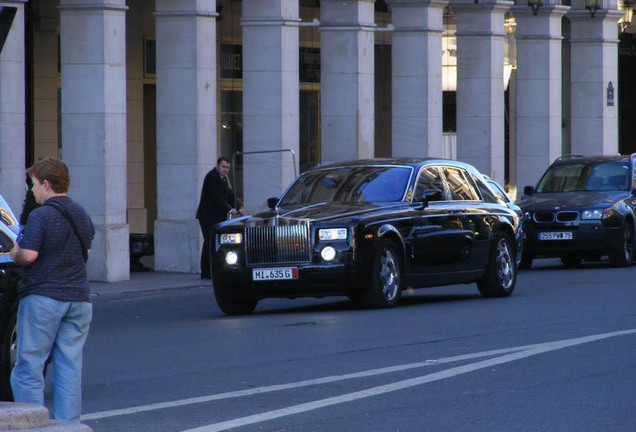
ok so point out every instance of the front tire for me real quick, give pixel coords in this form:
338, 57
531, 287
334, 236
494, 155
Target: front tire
526, 261
8, 340
235, 306
386, 277
624, 254
501, 274
571, 261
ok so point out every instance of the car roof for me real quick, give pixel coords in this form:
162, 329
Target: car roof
576, 159
397, 161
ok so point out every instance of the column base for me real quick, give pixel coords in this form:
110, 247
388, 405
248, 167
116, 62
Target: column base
110, 257
178, 246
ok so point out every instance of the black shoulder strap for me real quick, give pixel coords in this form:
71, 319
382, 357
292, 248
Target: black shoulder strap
59, 207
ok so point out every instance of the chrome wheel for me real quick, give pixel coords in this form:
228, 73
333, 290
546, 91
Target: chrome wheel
500, 276
624, 253
389, 274
13, 347
628, 243
385, 283
505, 264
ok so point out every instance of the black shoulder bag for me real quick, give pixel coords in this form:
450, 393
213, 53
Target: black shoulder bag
59, 207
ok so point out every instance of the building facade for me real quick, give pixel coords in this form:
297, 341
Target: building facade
140, 97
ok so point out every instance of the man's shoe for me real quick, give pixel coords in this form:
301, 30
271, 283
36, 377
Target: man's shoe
205, 276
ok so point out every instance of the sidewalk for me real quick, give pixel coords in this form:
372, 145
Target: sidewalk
150, 281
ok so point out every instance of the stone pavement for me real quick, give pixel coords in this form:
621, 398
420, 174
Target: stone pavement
150, 281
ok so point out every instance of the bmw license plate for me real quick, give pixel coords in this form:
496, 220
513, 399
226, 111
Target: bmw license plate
281, 273
565, 235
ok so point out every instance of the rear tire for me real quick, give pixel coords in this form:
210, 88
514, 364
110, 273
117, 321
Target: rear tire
624, 255
386, 277
501, 274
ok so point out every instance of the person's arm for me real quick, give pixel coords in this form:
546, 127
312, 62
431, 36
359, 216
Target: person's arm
23, 256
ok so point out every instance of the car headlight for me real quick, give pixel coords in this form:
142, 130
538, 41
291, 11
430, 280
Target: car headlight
332, 234
328, 253
235, 238
231, 258
597, 214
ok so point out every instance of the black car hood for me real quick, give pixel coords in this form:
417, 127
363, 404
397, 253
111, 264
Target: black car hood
318, 212
569, 200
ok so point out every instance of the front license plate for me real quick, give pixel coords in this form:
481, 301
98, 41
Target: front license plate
282, 273
566, 235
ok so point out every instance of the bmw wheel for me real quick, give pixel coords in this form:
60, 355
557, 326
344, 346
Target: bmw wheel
501, 274
571, 261
624, 254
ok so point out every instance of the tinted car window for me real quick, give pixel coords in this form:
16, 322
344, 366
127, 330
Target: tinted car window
5, 243
348, 184
496, 189
429, 179
606, 176
461, 188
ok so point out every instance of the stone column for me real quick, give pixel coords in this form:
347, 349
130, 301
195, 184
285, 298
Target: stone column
186, 126
271, 119
93, 53
346, 79
12, 107
539, 119
594, 78
417, 77
480, 84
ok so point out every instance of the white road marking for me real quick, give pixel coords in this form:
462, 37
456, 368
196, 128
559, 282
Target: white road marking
294, 385
401, 385
508, 355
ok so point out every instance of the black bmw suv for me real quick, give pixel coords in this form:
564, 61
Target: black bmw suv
582, 208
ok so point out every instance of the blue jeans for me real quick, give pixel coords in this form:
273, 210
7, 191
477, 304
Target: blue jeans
48, 327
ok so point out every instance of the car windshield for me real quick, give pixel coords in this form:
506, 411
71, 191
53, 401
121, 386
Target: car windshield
605, 176
348, 184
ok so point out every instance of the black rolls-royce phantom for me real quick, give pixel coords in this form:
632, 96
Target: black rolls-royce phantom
369, 229
9, 278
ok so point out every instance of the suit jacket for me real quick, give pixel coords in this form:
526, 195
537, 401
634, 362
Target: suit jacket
217, 199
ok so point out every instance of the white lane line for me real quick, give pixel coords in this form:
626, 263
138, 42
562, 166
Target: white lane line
401, 385
294, 385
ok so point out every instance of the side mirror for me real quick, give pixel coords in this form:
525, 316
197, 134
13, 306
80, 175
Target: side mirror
528, 190
431, 195
271, 202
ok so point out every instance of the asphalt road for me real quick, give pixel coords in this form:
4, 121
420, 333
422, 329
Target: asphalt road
558, 355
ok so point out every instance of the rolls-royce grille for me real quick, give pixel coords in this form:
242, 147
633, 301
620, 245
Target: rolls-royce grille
277, 244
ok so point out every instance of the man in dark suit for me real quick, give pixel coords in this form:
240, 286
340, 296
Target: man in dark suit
217, 201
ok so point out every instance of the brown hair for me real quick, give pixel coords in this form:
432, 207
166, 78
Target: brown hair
53, 170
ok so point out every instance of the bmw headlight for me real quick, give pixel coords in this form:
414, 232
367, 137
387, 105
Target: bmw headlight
235, 238
597, 214
332, 234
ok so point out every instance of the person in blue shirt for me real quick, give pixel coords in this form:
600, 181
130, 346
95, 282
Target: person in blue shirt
54, 312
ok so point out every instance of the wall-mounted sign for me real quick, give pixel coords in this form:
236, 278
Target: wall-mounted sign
231, 61
309, 64
610, 94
